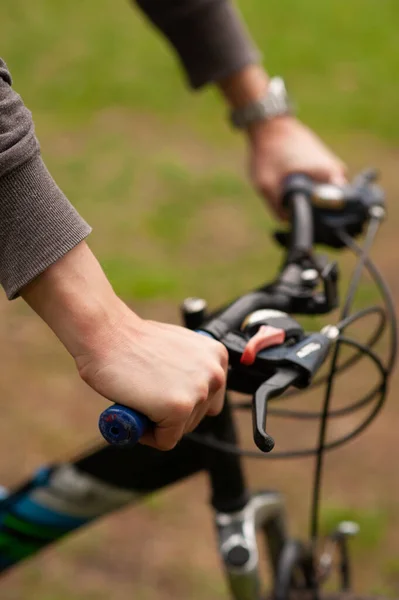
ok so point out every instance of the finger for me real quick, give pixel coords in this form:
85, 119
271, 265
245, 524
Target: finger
198, 415
282, 213
163, 437
335, 174
216, 402
338, 178
272, 191
223, 356
217, 392
199, 411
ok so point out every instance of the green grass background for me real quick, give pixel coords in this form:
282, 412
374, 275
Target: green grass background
156, 171
141, 156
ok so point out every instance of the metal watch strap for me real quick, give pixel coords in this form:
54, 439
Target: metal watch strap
275, 103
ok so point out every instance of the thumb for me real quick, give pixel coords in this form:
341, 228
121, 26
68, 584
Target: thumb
339, 178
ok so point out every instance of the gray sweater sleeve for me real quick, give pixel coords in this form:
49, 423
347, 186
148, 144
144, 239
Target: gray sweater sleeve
209, 36
38, 225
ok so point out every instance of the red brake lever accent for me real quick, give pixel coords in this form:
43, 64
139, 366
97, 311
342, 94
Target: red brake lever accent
265, 337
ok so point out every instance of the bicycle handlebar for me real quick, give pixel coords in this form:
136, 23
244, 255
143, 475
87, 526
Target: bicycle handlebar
296, 199
332, 206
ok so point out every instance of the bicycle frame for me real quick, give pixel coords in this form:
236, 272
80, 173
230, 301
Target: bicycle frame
237, 516
142, 470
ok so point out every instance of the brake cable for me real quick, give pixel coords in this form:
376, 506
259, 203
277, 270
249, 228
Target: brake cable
315, 505
362, 351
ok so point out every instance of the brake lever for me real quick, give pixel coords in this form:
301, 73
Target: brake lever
274, 386
293, 365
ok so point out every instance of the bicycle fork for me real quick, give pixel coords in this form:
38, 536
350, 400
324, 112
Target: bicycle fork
238, 546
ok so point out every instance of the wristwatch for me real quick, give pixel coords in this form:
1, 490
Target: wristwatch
274, 104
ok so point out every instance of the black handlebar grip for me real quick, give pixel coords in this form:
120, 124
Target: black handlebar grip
297, 191
302, 224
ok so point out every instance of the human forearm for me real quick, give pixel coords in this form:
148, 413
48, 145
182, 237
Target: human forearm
244, 86
74, 297
38, 224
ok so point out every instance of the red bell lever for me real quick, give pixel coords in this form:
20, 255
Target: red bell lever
265, 337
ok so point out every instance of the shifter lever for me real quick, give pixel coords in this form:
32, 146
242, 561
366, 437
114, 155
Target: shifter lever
276, 385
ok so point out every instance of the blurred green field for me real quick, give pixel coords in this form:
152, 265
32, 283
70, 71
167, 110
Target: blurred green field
160, 177
141, 156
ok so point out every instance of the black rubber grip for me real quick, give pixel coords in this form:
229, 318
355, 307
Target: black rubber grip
297, 198
301, 223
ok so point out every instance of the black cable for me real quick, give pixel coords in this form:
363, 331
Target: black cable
360, 314
385, 292
315, 505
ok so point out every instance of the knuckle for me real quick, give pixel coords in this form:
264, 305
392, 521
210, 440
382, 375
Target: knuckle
219, 379
261, 187
263, 183
222, 355
86, 371
180, 407
202, 393
216, 405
